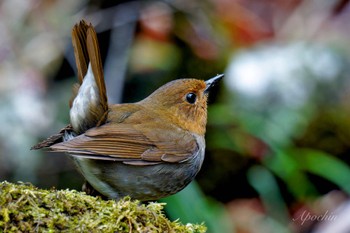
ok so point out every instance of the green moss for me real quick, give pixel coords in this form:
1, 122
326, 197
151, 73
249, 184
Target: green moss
25, 208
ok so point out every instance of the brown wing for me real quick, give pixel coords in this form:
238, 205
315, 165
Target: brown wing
53, 139
132, 144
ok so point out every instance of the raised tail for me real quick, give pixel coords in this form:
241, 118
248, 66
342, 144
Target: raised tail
89, 105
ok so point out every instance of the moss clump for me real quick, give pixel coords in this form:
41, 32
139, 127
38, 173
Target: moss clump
25, 208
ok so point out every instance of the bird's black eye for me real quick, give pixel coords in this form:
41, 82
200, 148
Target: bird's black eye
191, 98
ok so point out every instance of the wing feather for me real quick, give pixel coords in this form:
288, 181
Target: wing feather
133, 144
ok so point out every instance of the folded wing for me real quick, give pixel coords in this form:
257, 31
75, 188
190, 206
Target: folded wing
136, 144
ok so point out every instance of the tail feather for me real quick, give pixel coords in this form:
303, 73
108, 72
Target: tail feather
89, 105
96, 65
80, 50
88, 111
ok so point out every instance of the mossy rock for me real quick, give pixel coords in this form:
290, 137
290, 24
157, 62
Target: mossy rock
25, 208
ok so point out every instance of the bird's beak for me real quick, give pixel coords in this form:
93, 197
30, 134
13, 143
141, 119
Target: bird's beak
212, 82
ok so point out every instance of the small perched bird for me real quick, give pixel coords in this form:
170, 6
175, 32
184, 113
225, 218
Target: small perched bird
146, 150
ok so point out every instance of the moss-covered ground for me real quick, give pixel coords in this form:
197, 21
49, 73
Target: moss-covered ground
25, 208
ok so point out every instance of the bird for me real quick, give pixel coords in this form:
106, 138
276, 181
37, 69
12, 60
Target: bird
146, 150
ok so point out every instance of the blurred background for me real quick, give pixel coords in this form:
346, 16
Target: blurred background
278, 134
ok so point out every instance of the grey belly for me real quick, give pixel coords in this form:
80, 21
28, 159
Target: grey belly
115, 179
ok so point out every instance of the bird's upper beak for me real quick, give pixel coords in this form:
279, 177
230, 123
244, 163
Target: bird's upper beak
212, 82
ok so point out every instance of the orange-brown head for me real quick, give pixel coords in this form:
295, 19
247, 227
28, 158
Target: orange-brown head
183, 102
